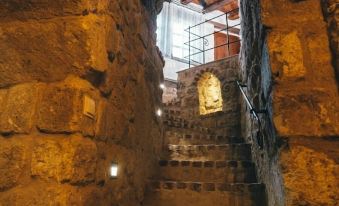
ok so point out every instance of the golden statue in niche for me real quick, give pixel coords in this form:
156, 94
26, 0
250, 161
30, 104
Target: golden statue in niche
210, 98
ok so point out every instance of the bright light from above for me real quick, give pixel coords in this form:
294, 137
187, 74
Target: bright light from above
162, 86
114, 170
159, 112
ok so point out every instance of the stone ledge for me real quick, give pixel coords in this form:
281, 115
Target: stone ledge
216, 138
208, 187
207, 164
208, 147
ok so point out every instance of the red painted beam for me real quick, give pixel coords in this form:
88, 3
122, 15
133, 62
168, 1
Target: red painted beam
216, 5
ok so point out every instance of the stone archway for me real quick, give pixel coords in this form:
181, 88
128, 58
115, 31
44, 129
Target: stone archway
210, 97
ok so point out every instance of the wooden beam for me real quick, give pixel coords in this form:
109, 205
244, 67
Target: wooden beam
220, 26
186, 1
216, 5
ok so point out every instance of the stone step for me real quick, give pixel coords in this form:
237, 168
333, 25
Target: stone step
209, 152
208, 171
185, 125
173, 112
167, 193
226, 131
191, 130
172, 105
191, 138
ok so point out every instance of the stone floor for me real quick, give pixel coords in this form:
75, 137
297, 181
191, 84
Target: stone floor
202, 168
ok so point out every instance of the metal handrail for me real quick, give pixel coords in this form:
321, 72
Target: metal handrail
201, 51
201, 37
252, 110
192, 37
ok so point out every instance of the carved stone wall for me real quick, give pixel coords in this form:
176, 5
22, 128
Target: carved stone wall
286, 63
79, 86
210, 98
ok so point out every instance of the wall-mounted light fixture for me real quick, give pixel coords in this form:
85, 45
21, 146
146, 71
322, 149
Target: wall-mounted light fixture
159, 112
114, 170
162, 86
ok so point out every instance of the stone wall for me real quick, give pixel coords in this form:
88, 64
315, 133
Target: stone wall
79, 86
170, 91
226, 70
286, 63
331, 14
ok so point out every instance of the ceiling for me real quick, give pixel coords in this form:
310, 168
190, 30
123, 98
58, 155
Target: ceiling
221, 5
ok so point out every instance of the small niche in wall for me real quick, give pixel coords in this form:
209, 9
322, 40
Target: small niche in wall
210, 97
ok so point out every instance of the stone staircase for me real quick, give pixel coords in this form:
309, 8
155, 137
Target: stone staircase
201, 168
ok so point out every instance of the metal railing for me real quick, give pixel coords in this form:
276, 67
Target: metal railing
193, 37
249, 104
253, 112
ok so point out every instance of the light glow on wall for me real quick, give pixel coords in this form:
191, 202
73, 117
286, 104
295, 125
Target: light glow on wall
210, 97
162, 86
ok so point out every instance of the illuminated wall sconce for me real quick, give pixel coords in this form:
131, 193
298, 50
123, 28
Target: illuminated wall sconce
162, 86
159, 112
114, 170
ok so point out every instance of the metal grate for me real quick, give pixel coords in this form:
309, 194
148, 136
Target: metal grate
193, 37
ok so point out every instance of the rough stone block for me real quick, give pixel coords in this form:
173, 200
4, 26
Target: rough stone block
315, 111
18, 9
84, 159
12, 162
310, 175
49, 161
294, 13
71, 161
61, 109
57, 110
18, 111
112, 123
73, 46
287, 50
3, 100
41, 194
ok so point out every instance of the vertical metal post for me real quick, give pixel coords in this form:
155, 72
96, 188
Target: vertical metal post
228, 35
189, 47
203, 49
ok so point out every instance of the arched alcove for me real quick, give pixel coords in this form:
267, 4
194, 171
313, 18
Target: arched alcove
210, 98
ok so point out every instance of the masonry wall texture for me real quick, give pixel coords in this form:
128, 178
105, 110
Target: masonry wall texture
331, 14
289, 69
54, 56
170, 91
224, 121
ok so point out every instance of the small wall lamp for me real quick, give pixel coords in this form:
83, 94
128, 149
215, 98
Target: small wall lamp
114, 170
159, 112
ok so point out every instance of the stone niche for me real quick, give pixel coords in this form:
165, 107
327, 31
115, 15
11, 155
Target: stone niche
210, 99
208, 95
